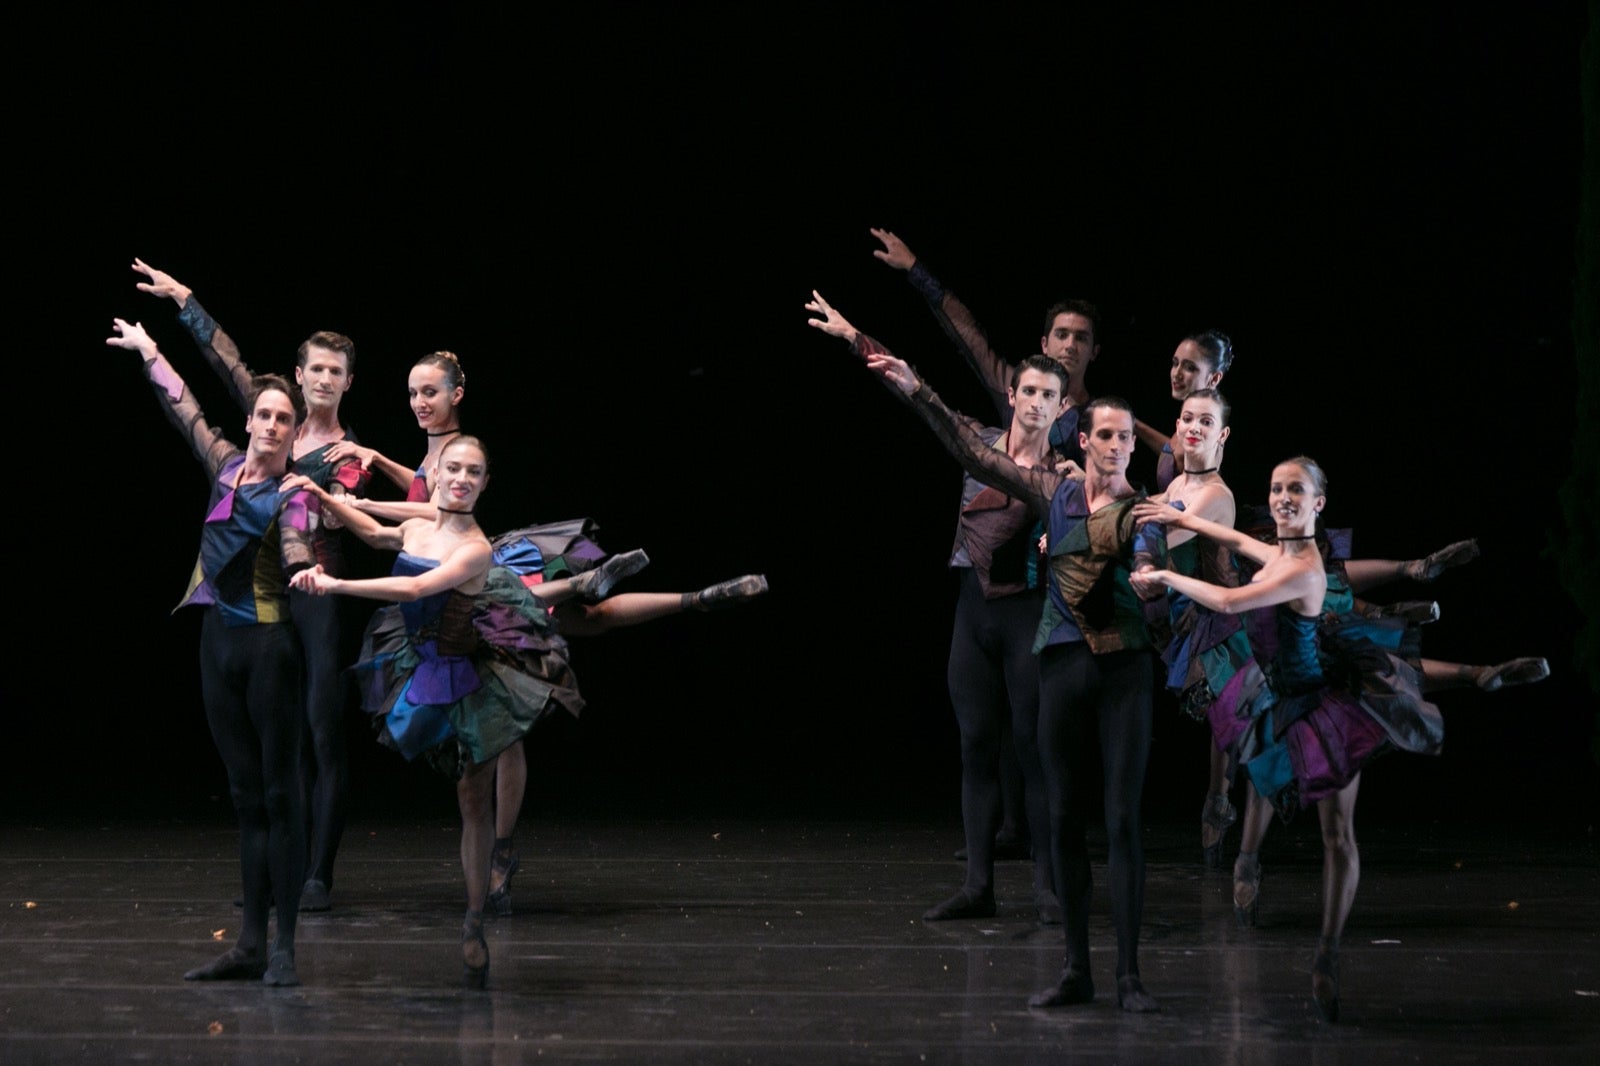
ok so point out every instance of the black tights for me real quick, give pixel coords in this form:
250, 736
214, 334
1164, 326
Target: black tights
1080, 692
324, 767
250, 683
994, 682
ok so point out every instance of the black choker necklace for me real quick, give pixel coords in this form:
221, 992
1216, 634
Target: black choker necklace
1207, 470
447, 510
1308, 536
442, 432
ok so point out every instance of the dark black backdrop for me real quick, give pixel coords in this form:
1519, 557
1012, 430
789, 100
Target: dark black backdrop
614, 213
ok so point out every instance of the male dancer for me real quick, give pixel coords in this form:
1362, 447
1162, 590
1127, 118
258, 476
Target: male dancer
324, 372
1094, 667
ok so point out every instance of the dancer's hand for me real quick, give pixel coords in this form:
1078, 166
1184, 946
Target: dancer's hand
894, 250
161, 283
895, 371
1151, 511
1070, 469
1148, 584
345, 449
131, 335
832, 322
313, 580
301, 483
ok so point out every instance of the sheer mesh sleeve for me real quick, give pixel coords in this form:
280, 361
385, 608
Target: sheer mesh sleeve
207, 442
296, 543
218, 348
970, 340
1034, 486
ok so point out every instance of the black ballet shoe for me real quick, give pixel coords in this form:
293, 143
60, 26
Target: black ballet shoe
280, 972
1246, 889
592, 586
726, 593
1516, 672
1048, 906
502, 864
1132, 997
235, 964
964, 904
1413, 612
1074, 987
1215, 817
314, 897
474, 952
1430, 567
1325, 983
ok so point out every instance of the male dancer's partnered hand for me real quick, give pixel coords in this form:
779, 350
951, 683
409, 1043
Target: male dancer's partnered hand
313, 581
894, 250
161, 283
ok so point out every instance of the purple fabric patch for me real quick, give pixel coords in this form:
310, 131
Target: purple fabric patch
441, 679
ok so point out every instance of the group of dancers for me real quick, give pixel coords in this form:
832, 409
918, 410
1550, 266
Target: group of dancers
1077, 588
466, 656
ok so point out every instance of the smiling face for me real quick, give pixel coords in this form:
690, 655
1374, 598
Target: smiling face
1296, 498
271, 425
462, 474
1200, 432
1036, 400
1070, 342
1108, 444
1192, 368
433, 401
324, 377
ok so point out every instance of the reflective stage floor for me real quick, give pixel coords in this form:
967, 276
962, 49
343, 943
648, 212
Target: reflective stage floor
718, 940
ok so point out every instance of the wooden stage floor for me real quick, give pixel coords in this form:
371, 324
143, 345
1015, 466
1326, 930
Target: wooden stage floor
723, 940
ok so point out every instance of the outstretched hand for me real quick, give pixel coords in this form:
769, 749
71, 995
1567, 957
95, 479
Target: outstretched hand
131, 335
1148, 584
313, 580
300, 483
895, 371
894, 250
1151, 511
346, 448
161, 283
832, 322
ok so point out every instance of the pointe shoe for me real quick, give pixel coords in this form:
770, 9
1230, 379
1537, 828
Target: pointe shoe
280, 972
502, 864
1074, 987
314, 897
1132, 997
1516, 672
725, 593
1246, 889
1325, 983
1215, 817
1416, 612
1431, 566
592, 586
474, 952
235, 964
964, 904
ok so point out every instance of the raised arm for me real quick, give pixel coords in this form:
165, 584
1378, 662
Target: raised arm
465, 564
954, 318
349, 515
1227, 536
182, 410
217, 347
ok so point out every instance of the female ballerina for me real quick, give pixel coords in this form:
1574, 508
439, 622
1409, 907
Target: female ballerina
464, 664
436, 387
255, 534
1302, 733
